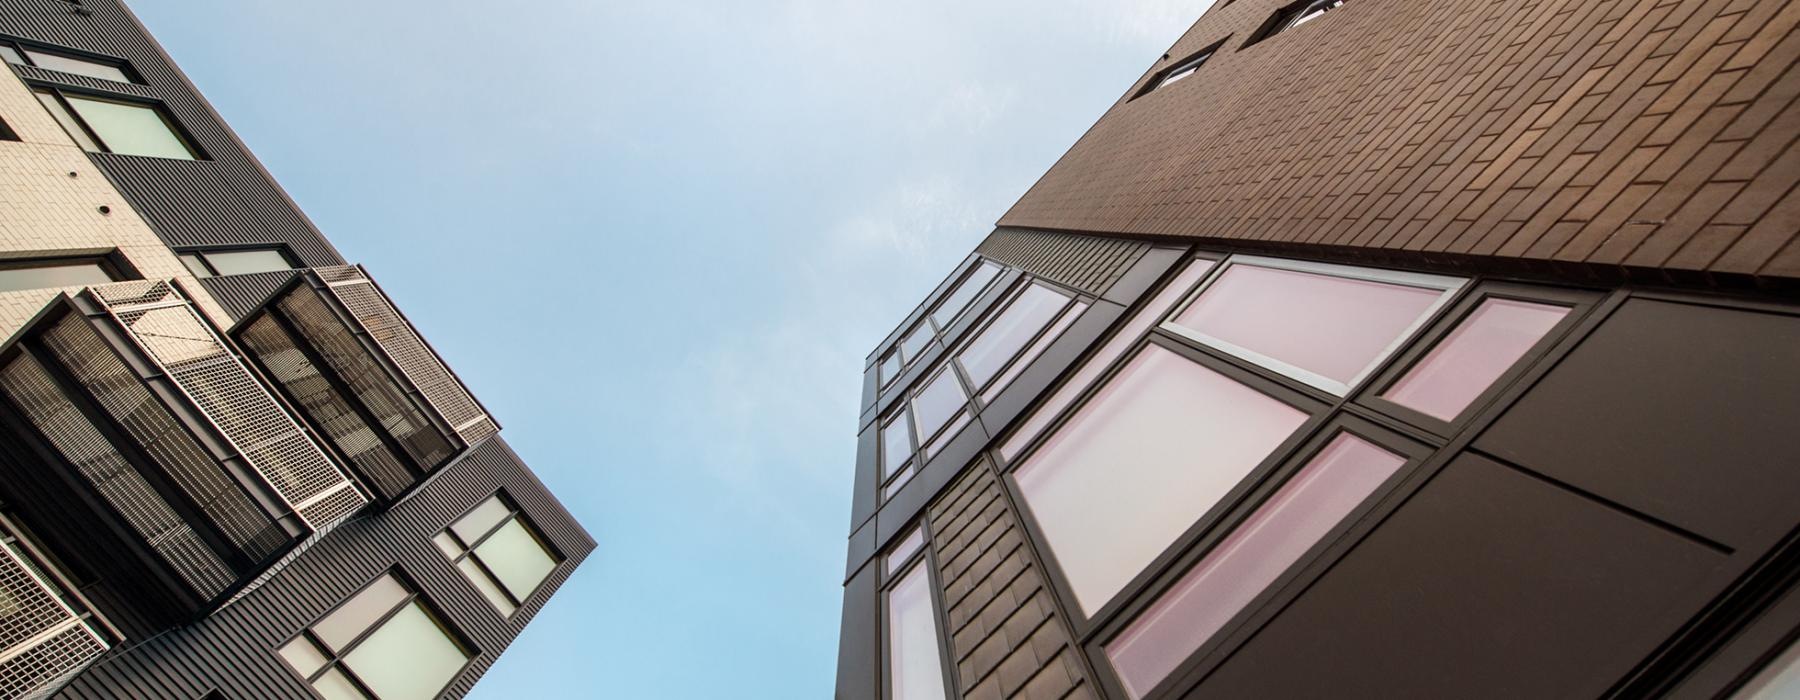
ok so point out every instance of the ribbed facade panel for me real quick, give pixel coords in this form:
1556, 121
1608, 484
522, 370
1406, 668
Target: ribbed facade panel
233, 650
1087, 263
241, 294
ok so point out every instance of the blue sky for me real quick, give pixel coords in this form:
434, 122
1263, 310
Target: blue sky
712, 211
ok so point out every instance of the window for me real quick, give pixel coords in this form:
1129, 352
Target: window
216, 263
1293, 16
889, 368
947, 311
1157, 446
1780, 679
1326, 325
1029, 312
117, 126
1483, 347
499, 552
103, 69
384, 643
1227, 579
914, 647
50, 273
1178, 72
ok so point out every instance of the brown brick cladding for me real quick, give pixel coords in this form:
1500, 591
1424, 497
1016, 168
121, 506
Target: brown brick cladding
1088, 263
1620, 133
1006, 636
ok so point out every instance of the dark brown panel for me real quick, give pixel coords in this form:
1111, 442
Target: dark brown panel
1489, 583
859, 662
1615, 133
1088, 263
1683, 412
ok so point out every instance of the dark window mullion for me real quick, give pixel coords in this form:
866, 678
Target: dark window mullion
79, 120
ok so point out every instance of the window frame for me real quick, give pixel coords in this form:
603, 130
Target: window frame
890, 577
1018, 290
24, 49
1268, 602
1578, 301
1169, 75
335, 659
110, 262
1084, 624
1448, 288
61, 95
514, 512
200, 254
1285, 19
936, 333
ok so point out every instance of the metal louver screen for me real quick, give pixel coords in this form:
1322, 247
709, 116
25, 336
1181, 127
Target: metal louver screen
121, 486
79, 349
172, 332
42, 639
409, 352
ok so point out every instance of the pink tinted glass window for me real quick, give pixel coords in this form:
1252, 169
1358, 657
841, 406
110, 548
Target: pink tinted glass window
1333, 327
896, 444
937, 403
1035, 308
1336, 480
914, 662
1157, 447
1482, 348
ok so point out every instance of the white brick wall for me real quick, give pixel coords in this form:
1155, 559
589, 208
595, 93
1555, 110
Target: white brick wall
50, 200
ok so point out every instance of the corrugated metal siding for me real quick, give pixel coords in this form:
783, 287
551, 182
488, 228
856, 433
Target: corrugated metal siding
233, 649
241, 294
227, 200
1087, 263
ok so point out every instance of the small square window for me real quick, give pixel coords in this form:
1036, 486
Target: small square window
499, 552
383, 643
1293, 16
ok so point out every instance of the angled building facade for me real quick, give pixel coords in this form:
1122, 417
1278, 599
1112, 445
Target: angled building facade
230, 467
1365, 348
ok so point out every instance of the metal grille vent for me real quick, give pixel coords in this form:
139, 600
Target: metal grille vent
42, 639
113, 477
409, 352
171, 331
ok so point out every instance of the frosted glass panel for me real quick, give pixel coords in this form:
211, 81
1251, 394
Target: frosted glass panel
303, 656
959, 298
129, 129
938, 403
489, 590
78, 66
1780, 680
890, 368
1482, 348
334, 686
1011, 330
913, 653
342, 625
67, 120
517, 559
1154, 449
10, 55
478, 522
245, 262
79, 274
1336, 328
409, 658
896, 444
1246, 562
905, 549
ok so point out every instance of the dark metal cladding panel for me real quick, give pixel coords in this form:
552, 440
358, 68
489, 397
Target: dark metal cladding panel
233, 650
226, 200
242, 294
1088, 263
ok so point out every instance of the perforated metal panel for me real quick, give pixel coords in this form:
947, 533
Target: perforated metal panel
175, 336
447, 395
42, 639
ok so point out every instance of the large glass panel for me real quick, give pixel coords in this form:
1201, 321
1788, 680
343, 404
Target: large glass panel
246, 262
1780, 680
50, 276
1101, 360
78, 66
343, 625
408, 658
988, 353
896, 444
1038, 347
965, 292
517, 559
1338, 479
914, 661
304, 656
485, 584
131, 129
479, 521
1482, 348
10, 54
67, 120
938, 402
1324, 329
915, 342
334, 685
1133, 469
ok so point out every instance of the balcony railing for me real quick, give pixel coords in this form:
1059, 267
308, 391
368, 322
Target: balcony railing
345, 357
42, 638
